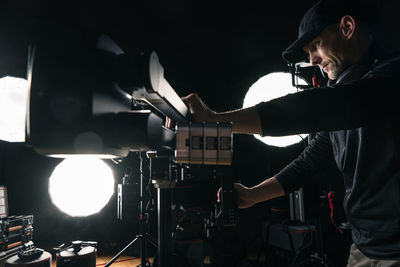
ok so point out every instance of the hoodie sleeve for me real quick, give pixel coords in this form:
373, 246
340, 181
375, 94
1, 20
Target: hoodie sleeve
300, 171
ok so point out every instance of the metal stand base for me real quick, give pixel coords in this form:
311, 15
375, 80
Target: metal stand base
144, 260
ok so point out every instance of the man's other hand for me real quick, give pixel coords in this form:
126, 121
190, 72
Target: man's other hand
244, 195
247, 197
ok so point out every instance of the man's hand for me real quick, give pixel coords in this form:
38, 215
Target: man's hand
245, 121
244, 195
200, 111
265, 190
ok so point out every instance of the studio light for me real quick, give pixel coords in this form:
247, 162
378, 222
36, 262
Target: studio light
81, 186
13, 105
269, 87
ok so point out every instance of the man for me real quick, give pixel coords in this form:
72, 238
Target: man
356, 124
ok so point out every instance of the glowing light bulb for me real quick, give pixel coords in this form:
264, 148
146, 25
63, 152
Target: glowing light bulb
13, 105
81, 186
269, 87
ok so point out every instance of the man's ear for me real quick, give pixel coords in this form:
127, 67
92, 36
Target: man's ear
347, 27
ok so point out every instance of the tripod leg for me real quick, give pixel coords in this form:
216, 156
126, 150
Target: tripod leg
120, 253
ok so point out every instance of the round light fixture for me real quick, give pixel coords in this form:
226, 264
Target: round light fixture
269, 87
81, 186
13, 104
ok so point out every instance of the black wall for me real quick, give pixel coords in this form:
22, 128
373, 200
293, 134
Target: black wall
214, 48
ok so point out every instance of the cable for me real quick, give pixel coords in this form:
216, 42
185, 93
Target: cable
304, 141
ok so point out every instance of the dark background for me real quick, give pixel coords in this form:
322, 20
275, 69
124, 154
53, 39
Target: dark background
217, 49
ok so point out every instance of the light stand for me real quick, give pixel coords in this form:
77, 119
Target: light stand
144, 237
161, 178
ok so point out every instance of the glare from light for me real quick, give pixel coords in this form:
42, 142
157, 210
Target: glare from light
13, 105
269, 87
98, 156
81, 186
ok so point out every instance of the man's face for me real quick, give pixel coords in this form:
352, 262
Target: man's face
326, 51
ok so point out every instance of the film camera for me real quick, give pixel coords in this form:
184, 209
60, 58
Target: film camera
89, 97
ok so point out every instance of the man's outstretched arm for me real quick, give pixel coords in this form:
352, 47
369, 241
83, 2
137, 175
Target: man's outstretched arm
246, 121
266, 190
249, 196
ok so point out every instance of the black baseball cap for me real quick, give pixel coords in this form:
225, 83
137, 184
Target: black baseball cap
317, 18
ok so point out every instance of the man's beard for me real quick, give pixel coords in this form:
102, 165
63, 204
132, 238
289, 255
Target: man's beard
336, 70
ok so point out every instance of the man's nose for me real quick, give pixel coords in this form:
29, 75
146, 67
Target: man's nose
314, 59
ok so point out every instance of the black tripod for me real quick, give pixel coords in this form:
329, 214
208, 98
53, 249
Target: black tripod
144, 237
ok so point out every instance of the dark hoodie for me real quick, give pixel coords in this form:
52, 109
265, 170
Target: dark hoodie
358, 125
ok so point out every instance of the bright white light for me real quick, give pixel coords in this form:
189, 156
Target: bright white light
81, 186
13, 103
268, 87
